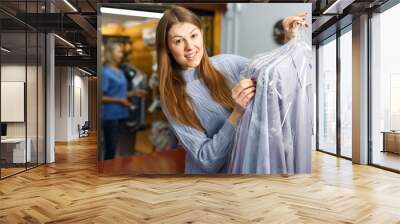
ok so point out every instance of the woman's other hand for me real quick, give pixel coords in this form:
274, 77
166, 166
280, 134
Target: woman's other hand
290, 23
243, 93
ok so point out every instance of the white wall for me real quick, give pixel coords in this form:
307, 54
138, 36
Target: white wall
80, 115
247, 28
61, 103
71, 94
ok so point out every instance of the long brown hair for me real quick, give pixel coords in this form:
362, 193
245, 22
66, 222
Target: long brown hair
173, 94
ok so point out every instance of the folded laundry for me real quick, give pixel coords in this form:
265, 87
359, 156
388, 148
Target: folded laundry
274, 134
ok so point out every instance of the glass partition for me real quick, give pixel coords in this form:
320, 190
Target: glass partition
327, 96
22, 89
385, 90
346, 94
14, 150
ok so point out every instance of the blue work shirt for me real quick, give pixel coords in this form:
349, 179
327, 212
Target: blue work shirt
114, 84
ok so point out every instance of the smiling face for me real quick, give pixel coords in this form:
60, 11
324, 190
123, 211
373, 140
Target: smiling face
185, 43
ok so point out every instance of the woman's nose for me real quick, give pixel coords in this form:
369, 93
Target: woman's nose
189, 45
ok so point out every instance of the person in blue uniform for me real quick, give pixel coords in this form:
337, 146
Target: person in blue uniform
115, 108
115, 98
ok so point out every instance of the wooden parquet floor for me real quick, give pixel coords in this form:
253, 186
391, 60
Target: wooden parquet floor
71, 191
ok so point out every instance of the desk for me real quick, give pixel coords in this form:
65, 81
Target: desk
15, 148
391, 141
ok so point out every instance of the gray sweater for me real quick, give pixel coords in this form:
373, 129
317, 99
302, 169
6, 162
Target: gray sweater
208, 151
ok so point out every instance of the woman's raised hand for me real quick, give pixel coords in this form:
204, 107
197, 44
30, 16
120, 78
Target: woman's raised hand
290, 23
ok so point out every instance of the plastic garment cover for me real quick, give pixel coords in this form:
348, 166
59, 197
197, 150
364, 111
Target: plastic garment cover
274, 133
162, 137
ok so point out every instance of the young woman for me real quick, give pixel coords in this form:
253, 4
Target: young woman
203, 98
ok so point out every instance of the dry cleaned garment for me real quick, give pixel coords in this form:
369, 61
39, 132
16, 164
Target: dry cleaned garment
274, 134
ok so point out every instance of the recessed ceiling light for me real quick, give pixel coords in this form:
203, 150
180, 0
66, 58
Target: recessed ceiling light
128, 12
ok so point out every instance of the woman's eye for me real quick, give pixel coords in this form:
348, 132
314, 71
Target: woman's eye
178, 42
194, 35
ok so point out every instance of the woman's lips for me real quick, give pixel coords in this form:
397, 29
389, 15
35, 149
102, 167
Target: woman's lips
191, 56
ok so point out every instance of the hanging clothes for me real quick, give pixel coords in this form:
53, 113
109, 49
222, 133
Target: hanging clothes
274, 134
136, 81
